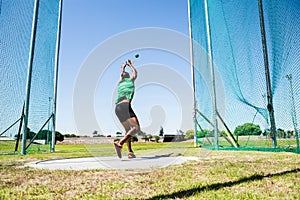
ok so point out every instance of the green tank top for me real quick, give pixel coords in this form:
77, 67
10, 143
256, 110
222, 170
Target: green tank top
125, 89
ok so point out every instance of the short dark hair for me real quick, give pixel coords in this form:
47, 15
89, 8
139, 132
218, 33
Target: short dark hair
125, 75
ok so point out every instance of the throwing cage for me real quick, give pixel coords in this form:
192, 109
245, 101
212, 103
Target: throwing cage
29, 43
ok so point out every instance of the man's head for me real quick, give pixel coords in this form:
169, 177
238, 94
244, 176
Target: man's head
125, 75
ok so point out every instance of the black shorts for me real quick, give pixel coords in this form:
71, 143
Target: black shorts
124, 111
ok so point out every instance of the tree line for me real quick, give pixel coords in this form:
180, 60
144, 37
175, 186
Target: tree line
241, 130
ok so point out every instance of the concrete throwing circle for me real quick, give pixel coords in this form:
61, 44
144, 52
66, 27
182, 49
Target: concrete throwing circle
113, 163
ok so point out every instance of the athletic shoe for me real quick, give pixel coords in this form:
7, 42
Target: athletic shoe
131, 155
118, 149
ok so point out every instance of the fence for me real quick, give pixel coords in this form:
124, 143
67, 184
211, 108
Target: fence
246, 58
29, 53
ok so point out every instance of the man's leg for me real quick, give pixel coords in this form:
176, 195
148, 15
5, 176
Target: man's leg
127, 128
134, 128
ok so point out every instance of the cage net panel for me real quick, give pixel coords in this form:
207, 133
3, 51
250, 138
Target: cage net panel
240, 74
16, 26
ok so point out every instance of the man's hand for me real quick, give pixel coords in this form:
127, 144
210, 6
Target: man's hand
134, 72
123, 65
128, 62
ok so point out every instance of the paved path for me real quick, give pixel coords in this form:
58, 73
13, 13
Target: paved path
141, 162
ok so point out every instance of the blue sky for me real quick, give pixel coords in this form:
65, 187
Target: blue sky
98, 35
86, 24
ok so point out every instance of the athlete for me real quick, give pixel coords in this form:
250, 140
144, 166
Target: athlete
124, 111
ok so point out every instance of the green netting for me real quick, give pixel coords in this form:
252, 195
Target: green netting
238, 60
16, 28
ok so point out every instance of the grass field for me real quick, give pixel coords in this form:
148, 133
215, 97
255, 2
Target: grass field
217, 175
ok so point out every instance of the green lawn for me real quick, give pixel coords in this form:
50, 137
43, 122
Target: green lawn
217, 175
254, 142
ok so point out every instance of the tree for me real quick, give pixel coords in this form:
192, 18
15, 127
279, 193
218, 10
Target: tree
71, 135
189, 134
95, 133
118, 134
156, 138
290, 134
59, 137
30, 135
150, 136
161, 131
203, 133
281, 133
247, 129
222, 132
134, 139
42, 135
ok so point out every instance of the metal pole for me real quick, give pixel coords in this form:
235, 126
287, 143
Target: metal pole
234, 141
52, 149
29, 73
193, 74
10, 126
35, 136
267, 73
294, 116
48, 129
20, 129
212, 74
204, 117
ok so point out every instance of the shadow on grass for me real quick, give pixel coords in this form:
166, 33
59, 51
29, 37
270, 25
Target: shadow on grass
217, 186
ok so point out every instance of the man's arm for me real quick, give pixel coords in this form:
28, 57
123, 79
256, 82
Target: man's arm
122, 70
134, 72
